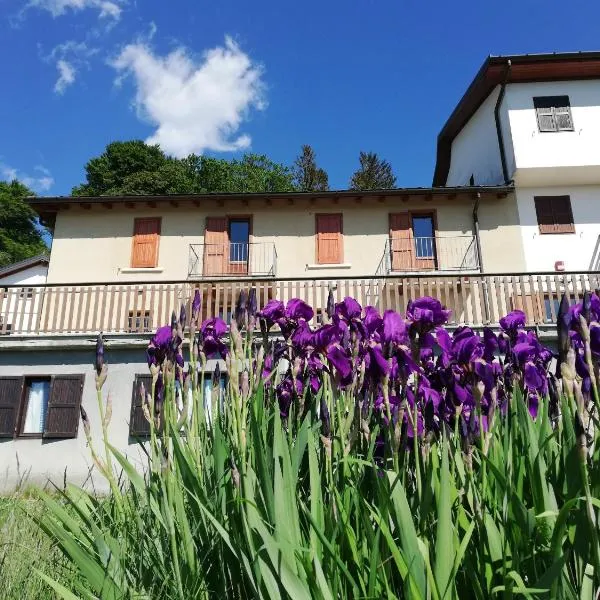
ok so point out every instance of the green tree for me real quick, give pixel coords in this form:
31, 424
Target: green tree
135, 168
20, 233
307, 176
374, 173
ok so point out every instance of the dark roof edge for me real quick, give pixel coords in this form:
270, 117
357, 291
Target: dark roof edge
54, 200
24, 264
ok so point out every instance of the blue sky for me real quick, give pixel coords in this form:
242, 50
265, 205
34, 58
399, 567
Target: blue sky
222, 77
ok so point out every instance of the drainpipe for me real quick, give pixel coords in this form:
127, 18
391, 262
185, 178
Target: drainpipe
498, 125
486, 300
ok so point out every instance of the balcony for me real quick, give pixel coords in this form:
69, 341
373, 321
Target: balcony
138, 308
209, 261
422, 254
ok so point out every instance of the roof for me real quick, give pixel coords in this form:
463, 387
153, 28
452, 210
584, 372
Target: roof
24, 264
525, 68
51, 204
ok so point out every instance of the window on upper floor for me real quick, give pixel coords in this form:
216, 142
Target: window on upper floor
330, 237
554, 214
146, 235
553, 113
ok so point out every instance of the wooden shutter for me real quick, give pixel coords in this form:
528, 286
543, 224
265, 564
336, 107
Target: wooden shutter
401, 242
554, 214
138, 424
563, 215
146, 234
216, 246
329, 239
11, 393
62, 420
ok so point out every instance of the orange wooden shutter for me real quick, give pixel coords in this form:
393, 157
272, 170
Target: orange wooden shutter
216, 246
146, 233
329, 239
401, 242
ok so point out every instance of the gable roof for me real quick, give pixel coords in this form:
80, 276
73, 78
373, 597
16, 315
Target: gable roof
525, 68
24, 264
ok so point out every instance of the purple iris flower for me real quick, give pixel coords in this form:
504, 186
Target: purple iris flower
394, 328
372, 320
339, 358
196, 305
298, 309
99, 354
426, 313
513, 321
211, 332
162, 345
273, 311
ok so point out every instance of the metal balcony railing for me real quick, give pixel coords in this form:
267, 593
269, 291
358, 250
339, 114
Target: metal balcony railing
207, 261
419, 254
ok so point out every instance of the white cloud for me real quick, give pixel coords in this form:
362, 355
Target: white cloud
196, 105
107, 9
66, 76
42, 181
69, 58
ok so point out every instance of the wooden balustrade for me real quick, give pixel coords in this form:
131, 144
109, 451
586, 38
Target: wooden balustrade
141, 307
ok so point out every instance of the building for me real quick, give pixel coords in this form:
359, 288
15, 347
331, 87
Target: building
26, 276
534, 121
491, 235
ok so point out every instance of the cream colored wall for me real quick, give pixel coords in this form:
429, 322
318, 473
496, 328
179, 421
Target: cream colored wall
95, 245
501, 240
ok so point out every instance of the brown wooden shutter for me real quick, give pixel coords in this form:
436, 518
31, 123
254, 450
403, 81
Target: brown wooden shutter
11, 393
62, 420
216, 246
146, 234
329, 239
563, 215
401, 242
544, 213
138, 424
554, 214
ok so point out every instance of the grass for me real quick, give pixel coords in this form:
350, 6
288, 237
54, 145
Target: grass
251, 505
24, 547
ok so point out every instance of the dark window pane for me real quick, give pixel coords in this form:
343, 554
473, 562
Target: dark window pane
424, 238
239, 236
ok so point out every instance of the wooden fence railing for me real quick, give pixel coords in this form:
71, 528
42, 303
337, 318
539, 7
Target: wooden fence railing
141, 307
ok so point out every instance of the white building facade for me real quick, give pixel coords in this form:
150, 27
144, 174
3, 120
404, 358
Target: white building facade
534, 120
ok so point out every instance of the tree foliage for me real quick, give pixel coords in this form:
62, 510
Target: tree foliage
136, 168
374, 173
308, 177
20, 234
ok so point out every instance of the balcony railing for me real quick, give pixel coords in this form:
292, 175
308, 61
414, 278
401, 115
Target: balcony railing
140, 307
207, 261
421, 254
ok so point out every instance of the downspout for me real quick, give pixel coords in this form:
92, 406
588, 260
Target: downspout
498, 124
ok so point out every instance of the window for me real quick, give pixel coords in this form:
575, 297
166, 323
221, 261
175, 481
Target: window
554, 214
423, 232
138, 423
40, 406
146, 234
329, 239
553, 113
35, 406
140, 321
239, 238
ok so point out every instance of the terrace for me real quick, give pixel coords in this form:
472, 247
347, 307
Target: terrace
130, 308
